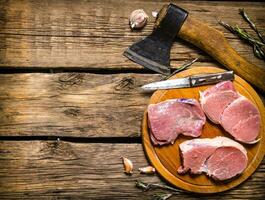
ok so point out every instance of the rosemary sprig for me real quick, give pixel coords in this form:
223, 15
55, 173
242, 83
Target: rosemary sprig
182, 67
151, 186
162, 196
241, 33
258, 47
252, 25
259, 51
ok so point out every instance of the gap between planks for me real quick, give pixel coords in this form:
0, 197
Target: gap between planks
112, 140
115, 70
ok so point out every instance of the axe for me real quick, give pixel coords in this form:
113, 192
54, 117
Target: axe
153, 52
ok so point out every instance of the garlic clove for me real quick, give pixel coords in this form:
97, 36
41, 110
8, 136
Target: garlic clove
154, 14
138, 19
147, 170
128, 165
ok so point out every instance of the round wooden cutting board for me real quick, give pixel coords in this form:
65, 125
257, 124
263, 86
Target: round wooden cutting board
166, 159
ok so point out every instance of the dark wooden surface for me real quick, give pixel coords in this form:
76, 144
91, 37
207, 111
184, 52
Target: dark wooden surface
63, 76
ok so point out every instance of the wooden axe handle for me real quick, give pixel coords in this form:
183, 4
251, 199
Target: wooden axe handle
215, 44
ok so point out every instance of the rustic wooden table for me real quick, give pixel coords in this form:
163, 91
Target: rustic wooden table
69, 102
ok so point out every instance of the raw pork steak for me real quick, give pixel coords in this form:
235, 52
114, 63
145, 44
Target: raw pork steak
215, 99
220, 158
242, 120
238, 116
170, 118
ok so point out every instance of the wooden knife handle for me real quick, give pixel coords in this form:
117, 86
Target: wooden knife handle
215, 44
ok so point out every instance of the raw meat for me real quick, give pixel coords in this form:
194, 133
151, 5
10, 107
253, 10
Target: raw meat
242, 120
238, 116
222, 86
220, 158
214, 104
172, 117
215, 99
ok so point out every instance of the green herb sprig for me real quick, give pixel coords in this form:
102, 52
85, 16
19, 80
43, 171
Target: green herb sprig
252, 25
151, 186
258, 45
162, 196
180, 68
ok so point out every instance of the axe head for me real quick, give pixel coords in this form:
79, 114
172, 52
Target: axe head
153, 52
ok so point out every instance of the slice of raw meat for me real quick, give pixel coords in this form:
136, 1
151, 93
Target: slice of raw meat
214, 104
220, 158
215, 99
242, 120
222, 86
226, 163
238, 116
172, 117
195, 160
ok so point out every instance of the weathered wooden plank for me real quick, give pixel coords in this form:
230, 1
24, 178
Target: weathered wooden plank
93, 34
72, 104
83, 170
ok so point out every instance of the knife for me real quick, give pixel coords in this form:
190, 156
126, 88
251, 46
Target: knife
190, 81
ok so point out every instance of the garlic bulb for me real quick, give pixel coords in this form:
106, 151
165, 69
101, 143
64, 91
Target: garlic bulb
147, 170
128, 165
138, 19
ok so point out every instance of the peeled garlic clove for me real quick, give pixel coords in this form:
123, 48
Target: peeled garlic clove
128, 165
147, 170
154, 14
138, 19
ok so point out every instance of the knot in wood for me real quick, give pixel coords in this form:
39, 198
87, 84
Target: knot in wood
68, 80
126, 83
74, 112
58, 149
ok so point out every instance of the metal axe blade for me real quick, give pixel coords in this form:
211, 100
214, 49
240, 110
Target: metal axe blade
149, 54
153, 52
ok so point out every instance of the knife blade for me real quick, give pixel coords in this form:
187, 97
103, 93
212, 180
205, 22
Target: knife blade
190, 81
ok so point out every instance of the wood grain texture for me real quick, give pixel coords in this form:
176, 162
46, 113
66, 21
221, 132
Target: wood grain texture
58, 169
166, 158
72, 104
88, 35
93, 34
